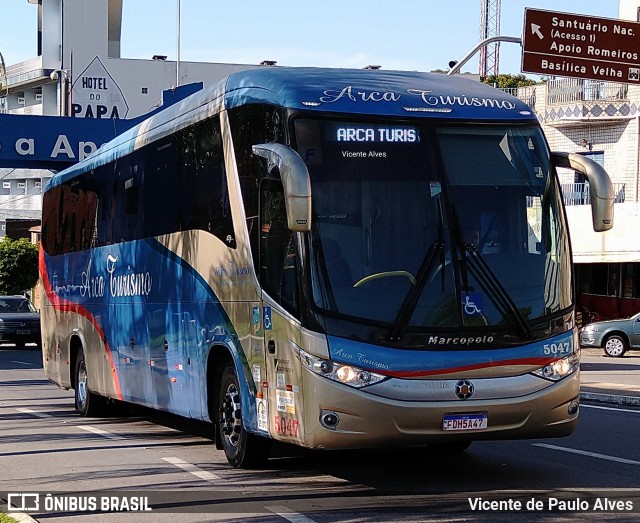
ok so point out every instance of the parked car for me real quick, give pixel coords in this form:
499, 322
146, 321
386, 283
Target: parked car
19, 321
615, 336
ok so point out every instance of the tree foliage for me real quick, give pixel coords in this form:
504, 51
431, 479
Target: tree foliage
18, 266
506, 81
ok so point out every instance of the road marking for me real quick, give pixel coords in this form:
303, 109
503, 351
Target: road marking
604, 385
99, 432
23, 363
289, 515
35, 413
582, 406
590, 454
192, 469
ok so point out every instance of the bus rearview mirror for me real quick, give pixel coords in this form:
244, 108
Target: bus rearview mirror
295, 181
600, 186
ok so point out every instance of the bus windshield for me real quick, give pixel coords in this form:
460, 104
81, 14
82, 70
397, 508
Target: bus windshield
434, 227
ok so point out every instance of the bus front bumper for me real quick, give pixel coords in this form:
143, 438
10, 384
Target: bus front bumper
340, 417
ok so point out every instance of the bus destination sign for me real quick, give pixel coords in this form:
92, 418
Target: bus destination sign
565, 44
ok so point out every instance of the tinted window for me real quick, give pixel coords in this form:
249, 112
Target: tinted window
251, 125
175, 184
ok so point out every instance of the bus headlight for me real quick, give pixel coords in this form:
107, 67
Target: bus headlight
347, 374
559, 369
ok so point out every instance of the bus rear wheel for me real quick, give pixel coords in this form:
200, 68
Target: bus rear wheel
242, 450
88, 404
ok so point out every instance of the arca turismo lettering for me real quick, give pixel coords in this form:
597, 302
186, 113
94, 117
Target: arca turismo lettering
123, 284
128, 284
362, 358
426, 95
431, 99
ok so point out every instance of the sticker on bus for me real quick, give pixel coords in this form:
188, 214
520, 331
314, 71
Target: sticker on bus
263, 415
452, 422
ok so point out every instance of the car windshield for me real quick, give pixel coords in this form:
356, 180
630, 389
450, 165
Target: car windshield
15, 305
424, 227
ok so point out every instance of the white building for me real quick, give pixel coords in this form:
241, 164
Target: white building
79, 44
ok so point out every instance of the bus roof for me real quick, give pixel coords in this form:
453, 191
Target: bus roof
406, 94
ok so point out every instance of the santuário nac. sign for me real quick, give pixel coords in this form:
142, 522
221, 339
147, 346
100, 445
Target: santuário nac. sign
577, 45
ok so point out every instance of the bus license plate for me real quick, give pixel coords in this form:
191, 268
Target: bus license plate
452, 422
23, 331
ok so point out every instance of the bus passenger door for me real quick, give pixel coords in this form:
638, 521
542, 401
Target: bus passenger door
278, 278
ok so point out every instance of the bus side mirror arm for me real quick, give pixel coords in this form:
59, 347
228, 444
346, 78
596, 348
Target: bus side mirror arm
295, 180
602, 195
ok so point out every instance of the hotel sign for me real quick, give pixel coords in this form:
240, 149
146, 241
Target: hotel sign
565, 44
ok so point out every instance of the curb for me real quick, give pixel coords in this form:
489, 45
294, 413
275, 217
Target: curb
616, 399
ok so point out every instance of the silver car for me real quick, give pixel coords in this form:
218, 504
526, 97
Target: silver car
615, 336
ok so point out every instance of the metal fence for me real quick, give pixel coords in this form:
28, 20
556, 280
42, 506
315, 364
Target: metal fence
579, 193
526, 94
570, 90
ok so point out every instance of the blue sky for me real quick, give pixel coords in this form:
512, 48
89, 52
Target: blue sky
400, 34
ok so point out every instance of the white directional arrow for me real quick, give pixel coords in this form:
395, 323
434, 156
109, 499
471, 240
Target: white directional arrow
535, 29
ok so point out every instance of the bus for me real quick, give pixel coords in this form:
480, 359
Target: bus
331, 258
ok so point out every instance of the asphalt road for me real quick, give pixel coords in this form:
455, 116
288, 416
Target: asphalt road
45, 447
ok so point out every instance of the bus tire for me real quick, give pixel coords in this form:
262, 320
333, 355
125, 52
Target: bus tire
88, 404
242, 450
615, 346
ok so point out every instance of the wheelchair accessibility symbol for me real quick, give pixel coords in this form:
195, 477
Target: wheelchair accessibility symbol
472, 304
266, 318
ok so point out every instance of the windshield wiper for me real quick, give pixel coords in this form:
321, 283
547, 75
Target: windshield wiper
492, 286
471, 261
411, 299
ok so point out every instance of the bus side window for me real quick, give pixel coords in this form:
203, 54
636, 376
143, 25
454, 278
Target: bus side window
277, 249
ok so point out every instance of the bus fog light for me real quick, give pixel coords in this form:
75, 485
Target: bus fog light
329, 419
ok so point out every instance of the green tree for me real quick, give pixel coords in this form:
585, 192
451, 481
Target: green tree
506, 81
18, 266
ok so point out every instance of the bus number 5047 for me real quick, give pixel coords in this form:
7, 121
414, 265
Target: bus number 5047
286, 427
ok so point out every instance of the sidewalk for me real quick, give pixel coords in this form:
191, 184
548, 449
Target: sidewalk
610, 380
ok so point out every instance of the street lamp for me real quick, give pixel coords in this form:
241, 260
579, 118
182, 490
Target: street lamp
63, 77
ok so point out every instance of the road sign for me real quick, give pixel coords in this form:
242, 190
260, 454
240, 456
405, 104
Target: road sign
565, 44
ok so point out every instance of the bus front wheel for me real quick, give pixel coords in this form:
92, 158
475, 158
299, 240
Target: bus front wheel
242, 450
88, 404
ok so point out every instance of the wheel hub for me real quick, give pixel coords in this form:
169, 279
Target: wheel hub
81, 386
231, 415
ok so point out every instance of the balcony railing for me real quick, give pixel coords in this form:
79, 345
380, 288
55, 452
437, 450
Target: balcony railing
571, 90
579, 194
527, 94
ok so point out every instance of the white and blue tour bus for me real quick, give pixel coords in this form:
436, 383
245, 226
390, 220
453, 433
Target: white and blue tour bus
330, 258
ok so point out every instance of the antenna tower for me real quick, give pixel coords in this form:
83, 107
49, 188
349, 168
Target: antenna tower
489, 26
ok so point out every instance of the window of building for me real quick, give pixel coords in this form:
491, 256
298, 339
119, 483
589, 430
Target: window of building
6, 185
